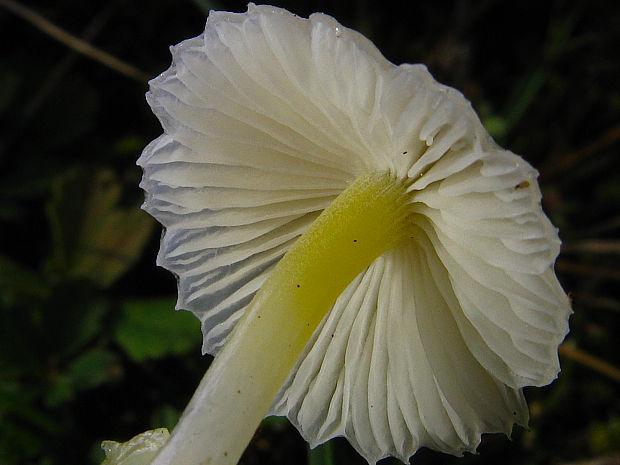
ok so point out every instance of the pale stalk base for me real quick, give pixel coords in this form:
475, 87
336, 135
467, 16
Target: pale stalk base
238, 389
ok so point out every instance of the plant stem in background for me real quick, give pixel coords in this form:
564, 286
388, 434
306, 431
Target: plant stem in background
73, 42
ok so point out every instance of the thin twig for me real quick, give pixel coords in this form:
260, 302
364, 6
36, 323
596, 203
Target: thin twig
564, 162
564, 266
73, 42
596, 301
594, 246
570, 351
608, 225
63, 66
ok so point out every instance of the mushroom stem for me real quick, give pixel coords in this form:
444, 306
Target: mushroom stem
235, 394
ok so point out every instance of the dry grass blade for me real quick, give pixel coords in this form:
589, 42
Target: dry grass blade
594, 246
580, 269
570, 351
564, 162
62, 68
73, 42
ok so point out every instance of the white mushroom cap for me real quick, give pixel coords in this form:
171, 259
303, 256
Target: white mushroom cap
267, 117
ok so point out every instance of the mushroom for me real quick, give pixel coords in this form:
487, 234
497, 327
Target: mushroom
364, 259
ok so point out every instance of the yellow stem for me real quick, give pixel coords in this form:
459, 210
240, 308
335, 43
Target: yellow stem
235, 394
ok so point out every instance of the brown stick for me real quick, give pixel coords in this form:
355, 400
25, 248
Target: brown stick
73, 42
564, 266
595, 363
593, 246
564, 162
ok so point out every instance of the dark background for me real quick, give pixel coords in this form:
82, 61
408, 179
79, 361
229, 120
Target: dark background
90, 348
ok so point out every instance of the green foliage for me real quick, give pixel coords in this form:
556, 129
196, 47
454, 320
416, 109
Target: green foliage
322, 455
604, 438
93, 237
150, 329
17, 282
87, 371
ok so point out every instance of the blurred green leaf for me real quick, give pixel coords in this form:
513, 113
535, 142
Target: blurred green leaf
88, 319
93, 368
89, 370
94, 237
61, 391
322, 455
275, 423
496, 125
130, 145
17, 282
151, 329
523, 98
17, 400
605, 437
165, 416
64, 324
492, 120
